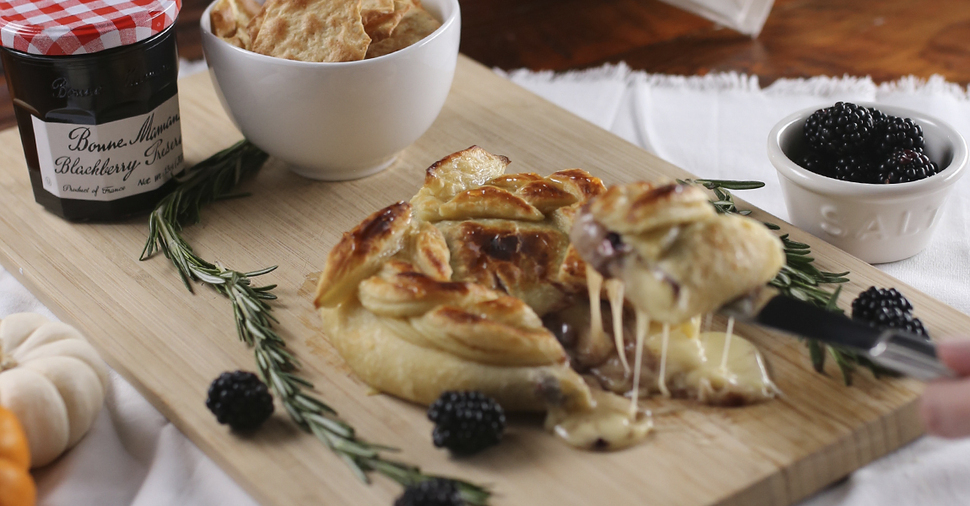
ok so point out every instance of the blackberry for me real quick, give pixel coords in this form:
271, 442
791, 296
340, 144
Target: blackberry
878, 119
870, 302
815, 162
240, 399
905, 165
433, 492
887, 308
840, 129
857, 168
897, 319
466, 422
897, 133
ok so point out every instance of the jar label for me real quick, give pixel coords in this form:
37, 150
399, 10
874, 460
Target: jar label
112, 160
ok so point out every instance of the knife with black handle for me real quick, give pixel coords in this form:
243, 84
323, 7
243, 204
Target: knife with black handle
896, 350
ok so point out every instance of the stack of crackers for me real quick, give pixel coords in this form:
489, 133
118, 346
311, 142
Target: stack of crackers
322, 30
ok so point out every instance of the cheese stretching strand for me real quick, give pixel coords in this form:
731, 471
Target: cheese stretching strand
662, 379
594, 284
642, 324
614, 289
727, 344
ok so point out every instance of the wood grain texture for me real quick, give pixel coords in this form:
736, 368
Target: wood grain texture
170, 344
885, 39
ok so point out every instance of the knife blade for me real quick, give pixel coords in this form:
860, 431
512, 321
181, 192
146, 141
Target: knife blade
894, 349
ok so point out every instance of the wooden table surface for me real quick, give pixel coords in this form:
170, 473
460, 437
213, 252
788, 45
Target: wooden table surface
884, 39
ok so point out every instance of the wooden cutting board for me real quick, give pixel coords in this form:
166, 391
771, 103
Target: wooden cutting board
170, 344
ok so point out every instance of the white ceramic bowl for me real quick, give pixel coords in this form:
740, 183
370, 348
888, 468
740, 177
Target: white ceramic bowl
875, 222
337, 121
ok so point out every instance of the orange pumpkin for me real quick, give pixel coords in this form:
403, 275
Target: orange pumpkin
16, 485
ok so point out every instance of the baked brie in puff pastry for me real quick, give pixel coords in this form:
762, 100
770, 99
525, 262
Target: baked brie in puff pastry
447, 292
475, 285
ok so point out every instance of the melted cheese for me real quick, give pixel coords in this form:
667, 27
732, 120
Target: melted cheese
595, 347
642, 325
662, 377
686, 362
608, 426
727, 344
614, 289
696, 364
594, 285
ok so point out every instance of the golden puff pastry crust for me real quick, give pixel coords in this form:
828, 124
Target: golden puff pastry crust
362, 252
447, 292
521, 259
642, 207
380, 357
677, 257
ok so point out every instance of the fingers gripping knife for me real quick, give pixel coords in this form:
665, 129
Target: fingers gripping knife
892, 349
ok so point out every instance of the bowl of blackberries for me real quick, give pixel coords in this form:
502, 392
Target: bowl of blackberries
870, 179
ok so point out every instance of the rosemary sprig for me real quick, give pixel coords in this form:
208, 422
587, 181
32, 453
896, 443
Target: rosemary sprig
798, 278
215, 179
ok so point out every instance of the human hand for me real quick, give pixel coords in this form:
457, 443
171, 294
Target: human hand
945, 406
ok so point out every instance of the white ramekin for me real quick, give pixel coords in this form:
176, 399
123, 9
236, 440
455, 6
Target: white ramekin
343, 120
875, 222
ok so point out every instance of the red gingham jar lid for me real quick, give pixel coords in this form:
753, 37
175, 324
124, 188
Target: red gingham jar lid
70, 27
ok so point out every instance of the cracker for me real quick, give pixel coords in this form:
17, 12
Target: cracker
229, 19
416, 24
311, 30
371, 10
380, 27
254, 24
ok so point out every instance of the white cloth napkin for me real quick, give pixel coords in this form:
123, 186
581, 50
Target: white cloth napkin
714, 126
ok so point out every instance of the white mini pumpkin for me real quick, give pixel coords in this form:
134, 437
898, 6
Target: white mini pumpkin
52, 379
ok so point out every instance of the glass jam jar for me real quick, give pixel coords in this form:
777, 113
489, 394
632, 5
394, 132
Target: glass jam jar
95, 92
